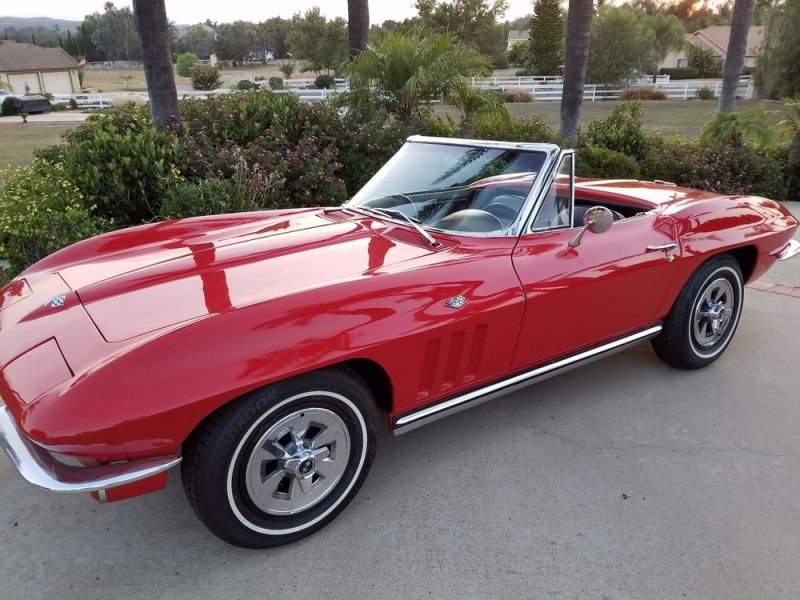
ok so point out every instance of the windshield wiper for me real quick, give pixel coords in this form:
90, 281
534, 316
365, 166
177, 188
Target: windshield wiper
390, 212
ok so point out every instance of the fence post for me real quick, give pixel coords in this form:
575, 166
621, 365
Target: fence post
686, 91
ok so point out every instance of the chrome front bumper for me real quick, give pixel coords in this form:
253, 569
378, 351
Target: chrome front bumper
41, 469
792, 248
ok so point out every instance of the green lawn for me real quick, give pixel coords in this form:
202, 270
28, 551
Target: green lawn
19, 140
682, 117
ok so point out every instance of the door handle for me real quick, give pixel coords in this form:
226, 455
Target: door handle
669, 248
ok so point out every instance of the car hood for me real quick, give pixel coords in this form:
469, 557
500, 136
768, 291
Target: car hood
165, 280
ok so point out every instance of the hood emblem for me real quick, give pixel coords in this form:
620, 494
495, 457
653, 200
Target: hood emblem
456, 301
57, 301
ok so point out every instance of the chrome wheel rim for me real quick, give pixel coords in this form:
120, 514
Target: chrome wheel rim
298, 461
713, 313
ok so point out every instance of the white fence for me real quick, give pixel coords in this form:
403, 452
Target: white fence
540, 91
527, 81
677, 90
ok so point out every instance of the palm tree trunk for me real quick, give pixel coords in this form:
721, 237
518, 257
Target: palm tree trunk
153, 28
737, 47
579, 29
357, 25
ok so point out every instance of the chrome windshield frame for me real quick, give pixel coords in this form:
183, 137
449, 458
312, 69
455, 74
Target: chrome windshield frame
552, 154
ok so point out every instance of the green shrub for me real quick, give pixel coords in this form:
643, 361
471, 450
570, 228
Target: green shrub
287, 69
325, 82
184, 63
437, 127
245, 85
678, 73
731, 168
249, 190
642, 93
520, 54
8, 108
73, 104
41, 211
205, 77
621, 131
121, 164
791, 171
524, 129
275, 83
705, 61
704, 93
605, 164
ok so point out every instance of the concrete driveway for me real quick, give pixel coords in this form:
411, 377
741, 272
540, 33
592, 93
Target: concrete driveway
624, 480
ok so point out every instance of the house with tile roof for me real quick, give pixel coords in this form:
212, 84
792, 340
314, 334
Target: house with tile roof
716, 39
31, 69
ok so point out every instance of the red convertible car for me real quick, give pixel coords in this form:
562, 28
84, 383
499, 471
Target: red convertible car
261, 350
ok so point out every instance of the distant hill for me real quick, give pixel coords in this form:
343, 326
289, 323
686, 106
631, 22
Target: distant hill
46, 22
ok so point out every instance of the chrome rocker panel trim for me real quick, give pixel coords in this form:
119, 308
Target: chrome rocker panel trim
40, 468
410, 421
789, 250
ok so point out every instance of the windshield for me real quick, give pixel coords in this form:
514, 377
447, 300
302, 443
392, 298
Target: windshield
454, 188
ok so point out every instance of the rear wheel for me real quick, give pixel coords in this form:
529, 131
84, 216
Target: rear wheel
284, 461
704, 318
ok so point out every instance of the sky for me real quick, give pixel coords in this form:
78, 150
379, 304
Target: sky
187, 12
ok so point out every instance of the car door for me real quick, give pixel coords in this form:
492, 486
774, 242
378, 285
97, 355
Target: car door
609, 285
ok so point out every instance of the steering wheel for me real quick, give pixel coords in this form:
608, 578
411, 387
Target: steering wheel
502, 211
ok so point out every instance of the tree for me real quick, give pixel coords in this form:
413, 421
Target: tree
777, 72
404, 72
472, 22
704, 60
154, 33
737, 48
184, 63
321, 42
115, 34
199, 40
622, 46
668, 35
547, 37
357, 25
579, 33
273, 34
236, 41
84, 39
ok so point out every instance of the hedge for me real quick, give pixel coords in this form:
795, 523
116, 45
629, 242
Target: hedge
678, 73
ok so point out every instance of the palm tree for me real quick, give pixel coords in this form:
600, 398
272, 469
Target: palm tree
357, 25
153, 28
737, 47
668, 34
403, 72
579, 31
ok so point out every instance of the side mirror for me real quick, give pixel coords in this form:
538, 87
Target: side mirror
597, 219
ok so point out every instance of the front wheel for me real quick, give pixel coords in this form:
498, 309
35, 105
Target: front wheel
284, 461
704, 318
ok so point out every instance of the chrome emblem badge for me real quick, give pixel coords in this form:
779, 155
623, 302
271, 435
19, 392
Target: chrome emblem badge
456, 301
56, 301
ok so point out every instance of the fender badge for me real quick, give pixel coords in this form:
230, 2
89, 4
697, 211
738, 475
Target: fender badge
456, 301
57, 301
